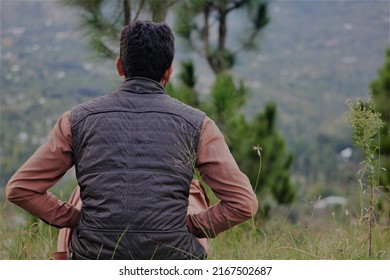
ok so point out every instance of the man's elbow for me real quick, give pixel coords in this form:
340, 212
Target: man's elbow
13, 194
10, 193
248, 209
251, 207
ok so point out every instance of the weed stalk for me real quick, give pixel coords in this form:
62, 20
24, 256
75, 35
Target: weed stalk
366, 123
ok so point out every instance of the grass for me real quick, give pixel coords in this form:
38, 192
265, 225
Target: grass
302, 241
25, 238
330, 236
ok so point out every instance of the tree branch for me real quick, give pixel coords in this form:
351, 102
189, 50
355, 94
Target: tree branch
140, 7
236, 4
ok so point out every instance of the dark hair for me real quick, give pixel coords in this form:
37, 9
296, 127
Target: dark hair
146, 49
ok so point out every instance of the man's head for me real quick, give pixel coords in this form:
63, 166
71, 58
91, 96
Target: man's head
146, 50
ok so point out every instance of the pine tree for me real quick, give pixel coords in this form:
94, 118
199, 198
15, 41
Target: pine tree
381, 95
204, 25
380, 89
256, 145
102, 20
245, 139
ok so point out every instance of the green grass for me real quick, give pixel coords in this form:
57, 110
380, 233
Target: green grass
311, 240
329, 236
23, 237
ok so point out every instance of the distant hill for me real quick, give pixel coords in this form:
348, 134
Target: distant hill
312, 57
315, 55
46, 69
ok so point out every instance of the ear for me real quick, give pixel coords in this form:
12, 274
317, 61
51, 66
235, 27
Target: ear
167, 75
119, 69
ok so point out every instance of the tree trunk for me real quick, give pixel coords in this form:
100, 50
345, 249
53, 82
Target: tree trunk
127, 10
222, 31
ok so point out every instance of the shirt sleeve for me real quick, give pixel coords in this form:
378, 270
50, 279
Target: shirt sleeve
219, 170
28, 187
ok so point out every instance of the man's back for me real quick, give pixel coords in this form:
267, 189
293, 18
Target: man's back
134, 155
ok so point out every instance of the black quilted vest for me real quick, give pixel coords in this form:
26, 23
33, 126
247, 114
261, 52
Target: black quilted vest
134, 155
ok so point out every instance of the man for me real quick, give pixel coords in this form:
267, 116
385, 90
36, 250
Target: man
135, 152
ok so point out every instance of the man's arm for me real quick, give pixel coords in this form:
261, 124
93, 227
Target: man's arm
220, 172
28, 187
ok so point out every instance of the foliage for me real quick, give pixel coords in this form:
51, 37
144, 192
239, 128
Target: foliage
224, 106
381, 97
102, 20
185, 89
196, 21
366, 123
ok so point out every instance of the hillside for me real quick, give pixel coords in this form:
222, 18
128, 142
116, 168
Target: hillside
313, 56
45, 69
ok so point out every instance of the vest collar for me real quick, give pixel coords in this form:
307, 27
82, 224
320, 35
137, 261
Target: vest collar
141, 85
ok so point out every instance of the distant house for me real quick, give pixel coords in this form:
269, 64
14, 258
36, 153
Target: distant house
323, 203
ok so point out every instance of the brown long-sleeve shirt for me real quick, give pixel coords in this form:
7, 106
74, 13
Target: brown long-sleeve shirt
29, 186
